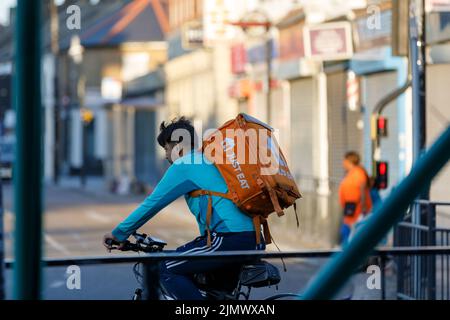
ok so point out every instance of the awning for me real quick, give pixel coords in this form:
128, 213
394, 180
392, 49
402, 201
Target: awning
143, 102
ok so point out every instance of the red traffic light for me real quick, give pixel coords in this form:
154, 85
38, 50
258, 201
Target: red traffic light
382, 126
382, 175
382, 168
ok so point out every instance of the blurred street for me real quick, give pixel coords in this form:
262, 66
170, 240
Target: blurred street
76, 219
353, 92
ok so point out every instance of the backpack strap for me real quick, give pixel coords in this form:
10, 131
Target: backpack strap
257, 225
198, 193
267, 235
259, 221
272, 194
296, 215
275, 203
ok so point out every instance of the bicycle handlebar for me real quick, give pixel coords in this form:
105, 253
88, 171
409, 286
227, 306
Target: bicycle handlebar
143, 243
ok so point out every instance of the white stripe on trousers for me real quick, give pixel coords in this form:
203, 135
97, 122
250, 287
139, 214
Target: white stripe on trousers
211, 249
194, 250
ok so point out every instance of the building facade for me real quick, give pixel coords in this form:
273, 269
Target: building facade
95, 66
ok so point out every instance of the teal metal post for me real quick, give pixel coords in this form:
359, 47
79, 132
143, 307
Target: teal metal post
2, 245
336, 272
28, 157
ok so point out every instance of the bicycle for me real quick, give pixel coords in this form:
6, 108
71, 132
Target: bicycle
215, 285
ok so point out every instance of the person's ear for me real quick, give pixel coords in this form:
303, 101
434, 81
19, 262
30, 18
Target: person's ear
177, 149
175, 152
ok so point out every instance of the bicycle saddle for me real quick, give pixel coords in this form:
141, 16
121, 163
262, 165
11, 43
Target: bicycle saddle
259, 274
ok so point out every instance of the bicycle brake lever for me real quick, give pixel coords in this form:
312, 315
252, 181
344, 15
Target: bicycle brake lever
139, 237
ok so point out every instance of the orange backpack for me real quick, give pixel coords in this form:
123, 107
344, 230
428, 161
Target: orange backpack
259, 182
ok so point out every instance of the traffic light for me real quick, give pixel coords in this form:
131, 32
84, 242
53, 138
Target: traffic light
381, 126
87, 115
382, 175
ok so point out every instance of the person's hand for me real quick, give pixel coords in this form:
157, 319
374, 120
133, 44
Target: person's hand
109, 239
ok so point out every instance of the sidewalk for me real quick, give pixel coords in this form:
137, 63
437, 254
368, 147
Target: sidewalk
95, 186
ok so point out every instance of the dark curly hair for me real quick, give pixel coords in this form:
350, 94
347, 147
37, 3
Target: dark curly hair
166, 131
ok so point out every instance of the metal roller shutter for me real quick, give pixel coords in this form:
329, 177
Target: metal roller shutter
302, 106
145, 159
343, 132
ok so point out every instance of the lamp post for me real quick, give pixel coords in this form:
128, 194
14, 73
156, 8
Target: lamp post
418, 66
2, 246
54, 30
28, 154
76, 53
257, 24
86, 117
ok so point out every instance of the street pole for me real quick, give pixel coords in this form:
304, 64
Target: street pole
54, 30
28, 156
418, 69
84, 153
245, 24
423, 90
418, 63
76, 52
2, 244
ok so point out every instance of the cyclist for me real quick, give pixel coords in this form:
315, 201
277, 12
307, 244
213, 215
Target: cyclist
189, 170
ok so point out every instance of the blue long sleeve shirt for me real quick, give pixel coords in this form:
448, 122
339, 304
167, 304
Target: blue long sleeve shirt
188, 173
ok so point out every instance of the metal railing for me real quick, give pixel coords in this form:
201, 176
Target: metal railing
423, 277
442, 262
151, 261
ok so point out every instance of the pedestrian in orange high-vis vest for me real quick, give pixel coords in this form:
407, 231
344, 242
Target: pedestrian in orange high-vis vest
354, 194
